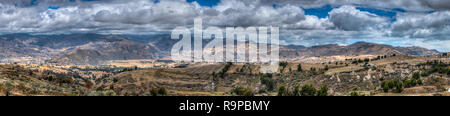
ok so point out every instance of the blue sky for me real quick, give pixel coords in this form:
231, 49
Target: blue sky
321, 12
209, 3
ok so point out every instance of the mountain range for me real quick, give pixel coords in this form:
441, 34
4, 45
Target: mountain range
96, 49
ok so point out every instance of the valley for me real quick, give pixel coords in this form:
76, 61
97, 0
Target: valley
397, 75
121, 65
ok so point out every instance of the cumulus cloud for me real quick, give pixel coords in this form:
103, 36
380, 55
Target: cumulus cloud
345, 23
147, 15
410, 5
239, 13
350, 19
437, 4
435, 25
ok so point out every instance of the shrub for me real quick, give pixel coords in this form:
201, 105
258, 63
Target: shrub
323, 91
355, 92
154, 92
241, 91
162, 91
283, 64
299, 68
225, 69
416, 75
366, 60
270, 83
296, 90
399, 86
283, 91
385, 87
308, 90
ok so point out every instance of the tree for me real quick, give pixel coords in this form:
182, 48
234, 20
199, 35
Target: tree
283, 91
360, 61
154, 92
323, 91
355, 92
283, 64
416, 75
238, 91
313, 70
308, 90
6, 93
326, 68
241, 91
270, 84
299, 68
399, 86
366, 60
162, 91
419, 82
248, 92
385, 87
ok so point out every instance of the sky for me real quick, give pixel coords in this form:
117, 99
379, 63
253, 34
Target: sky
423, 23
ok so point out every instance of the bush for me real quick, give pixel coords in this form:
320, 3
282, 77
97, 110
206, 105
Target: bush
283, 64
308, 90
225, 69
416, 75
299, 68
241, 91
385, 87
283, 91
397, 85
154, 92
296, 90
313, 70
323, 91
270, 83
366, 60
355, 92
162, 91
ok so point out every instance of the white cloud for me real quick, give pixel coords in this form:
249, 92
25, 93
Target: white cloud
351, 19
345, 23
411, 5
422, 25
149, 16
437, 4
239, 13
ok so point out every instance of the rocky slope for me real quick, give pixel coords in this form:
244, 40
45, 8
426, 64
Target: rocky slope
356, 49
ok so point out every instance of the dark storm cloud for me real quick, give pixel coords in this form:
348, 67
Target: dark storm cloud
437, 4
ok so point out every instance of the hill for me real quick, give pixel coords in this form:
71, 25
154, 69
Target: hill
356, 49
97, 53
